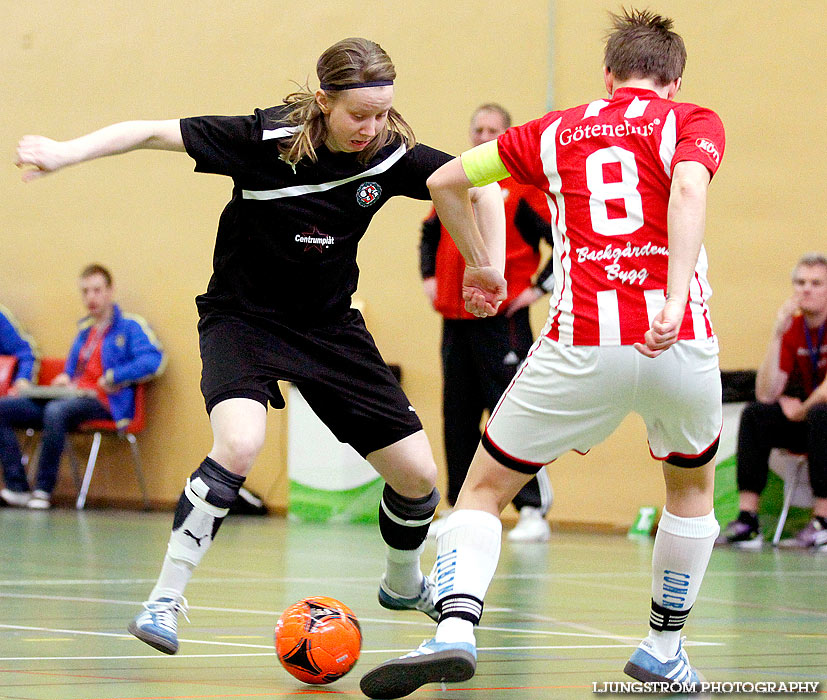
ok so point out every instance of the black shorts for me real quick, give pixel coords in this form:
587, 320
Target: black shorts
336, 367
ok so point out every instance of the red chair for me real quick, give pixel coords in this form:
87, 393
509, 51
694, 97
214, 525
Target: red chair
8, 363
128, 433
50, 367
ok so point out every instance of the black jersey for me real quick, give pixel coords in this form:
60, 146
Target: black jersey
286, 243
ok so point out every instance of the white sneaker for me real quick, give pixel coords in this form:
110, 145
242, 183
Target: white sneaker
17, 499
531, 527
40, 500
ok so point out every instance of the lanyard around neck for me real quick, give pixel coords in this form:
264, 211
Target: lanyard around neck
94, 339
814, 349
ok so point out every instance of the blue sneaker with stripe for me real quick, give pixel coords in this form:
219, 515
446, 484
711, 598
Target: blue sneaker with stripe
431, 662
424, 602
648, 666
157, 625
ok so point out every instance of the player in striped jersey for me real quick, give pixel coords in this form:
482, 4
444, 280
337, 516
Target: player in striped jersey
626, 179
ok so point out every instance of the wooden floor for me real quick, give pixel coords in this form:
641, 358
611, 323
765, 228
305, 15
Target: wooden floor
559, 617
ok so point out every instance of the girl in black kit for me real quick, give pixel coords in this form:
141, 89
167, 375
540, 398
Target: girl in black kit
308, 176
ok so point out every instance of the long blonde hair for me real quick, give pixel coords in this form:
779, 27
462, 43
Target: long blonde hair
347, 62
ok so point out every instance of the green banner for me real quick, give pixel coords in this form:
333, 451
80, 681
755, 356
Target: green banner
356, 505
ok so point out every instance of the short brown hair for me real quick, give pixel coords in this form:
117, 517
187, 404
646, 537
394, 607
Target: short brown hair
642, 44
96, 269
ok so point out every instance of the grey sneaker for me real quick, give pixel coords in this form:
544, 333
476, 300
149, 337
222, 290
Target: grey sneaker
424, 602
431, 662
814, 535
157, 625
741, 535
16, 499
650, 667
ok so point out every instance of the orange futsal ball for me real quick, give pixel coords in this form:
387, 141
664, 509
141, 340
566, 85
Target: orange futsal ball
318, 639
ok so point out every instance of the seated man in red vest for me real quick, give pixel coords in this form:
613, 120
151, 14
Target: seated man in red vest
112, 351
791, 411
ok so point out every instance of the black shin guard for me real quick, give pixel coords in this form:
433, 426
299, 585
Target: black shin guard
206, 500
404, 522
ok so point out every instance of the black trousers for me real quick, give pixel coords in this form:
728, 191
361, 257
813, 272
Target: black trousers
764, 426
479, 359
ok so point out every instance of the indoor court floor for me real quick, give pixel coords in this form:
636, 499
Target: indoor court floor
561, 618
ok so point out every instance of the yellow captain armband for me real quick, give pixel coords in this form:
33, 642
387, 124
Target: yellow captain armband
483, 165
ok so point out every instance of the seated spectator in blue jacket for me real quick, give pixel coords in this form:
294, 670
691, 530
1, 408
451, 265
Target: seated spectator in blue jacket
15, 342
112, 351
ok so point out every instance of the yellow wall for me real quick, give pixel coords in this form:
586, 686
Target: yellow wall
73, 66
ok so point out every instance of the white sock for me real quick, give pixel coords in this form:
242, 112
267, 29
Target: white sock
174, 577
403, 574
455, 629
679, 560
468, 549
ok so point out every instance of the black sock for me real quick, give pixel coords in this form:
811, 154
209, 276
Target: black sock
748, 517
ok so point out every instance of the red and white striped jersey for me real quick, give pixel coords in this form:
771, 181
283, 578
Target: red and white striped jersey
607, 168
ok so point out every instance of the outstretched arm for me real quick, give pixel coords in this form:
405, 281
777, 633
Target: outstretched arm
38, 155
686, 221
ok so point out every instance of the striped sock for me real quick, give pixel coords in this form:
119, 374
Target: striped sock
679, 560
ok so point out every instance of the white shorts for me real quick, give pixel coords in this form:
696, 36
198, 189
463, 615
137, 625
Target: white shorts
573, 397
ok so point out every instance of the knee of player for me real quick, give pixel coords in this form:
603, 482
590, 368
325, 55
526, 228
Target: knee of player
483, 491
237, 449
418, 481
427, 478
